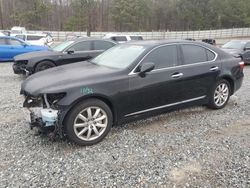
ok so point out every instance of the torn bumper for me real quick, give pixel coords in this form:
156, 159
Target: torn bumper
45, 113
20, 68
41, 116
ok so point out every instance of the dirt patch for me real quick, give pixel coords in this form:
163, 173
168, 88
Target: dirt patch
236, 129
181, 175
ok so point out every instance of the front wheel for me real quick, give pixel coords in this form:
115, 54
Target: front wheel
220, 95
43, 66
88, 122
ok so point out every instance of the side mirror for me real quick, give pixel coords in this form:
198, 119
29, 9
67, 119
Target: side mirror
70, 51
146, 67
246, 49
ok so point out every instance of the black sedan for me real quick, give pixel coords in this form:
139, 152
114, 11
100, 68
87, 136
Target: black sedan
130, 81
238, 48
79, 49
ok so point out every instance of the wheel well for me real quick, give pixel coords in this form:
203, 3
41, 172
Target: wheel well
103, 99
231, 82
49, 60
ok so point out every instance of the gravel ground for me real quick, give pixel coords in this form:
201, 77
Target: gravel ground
194, 147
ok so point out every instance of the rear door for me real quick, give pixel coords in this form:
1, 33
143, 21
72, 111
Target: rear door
199, 70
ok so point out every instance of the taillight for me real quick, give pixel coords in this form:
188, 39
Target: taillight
242, 64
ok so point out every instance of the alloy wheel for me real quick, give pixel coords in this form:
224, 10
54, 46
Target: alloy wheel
221, 94
90, 123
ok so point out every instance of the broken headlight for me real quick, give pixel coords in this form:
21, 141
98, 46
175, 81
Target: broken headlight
31, 102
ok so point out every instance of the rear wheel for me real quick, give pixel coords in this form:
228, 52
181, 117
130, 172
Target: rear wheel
88, 122
44, 65
220, 95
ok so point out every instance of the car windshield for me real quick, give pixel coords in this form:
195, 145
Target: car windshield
62, 46
120, 56
234, 45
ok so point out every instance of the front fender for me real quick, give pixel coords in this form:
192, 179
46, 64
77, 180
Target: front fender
31, 65
69, 101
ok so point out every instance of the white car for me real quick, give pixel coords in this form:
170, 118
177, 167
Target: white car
2, 34
36, 39
17, 30
122, 38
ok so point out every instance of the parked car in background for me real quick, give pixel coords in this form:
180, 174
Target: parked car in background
122, 38
17, 30
6, 33
190, 39
71, 51
238, 48
209, 41
2, 34
130, 81
11, 46
72, 36
40, 39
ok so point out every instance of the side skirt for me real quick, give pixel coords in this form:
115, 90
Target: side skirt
166, 106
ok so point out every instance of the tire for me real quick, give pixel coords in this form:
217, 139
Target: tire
44, 65
219, 95
81, 124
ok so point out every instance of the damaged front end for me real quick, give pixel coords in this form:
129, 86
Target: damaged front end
45, 113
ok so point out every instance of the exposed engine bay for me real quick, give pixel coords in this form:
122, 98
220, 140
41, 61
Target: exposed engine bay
44, 114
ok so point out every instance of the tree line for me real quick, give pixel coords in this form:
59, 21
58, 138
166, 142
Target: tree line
124, 15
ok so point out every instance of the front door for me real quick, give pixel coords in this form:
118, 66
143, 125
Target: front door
160, 87
77, 52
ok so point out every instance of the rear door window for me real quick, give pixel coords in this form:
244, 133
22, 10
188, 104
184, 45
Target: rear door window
194, 54
102, 45
163, 57
81, 46
210, 55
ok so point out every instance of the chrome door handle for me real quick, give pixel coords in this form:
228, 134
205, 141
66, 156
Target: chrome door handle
214, 68
177, 75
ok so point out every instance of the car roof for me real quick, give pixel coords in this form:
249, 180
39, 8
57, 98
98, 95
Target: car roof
153, 43
79, 39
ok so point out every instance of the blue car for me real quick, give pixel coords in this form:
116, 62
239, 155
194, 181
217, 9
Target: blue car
11, 46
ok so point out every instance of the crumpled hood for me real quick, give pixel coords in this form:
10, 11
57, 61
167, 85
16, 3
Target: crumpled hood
64, 78
234, 52
36, 54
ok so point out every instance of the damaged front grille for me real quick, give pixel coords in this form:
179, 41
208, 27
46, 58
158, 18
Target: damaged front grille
46, 100
22, 62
